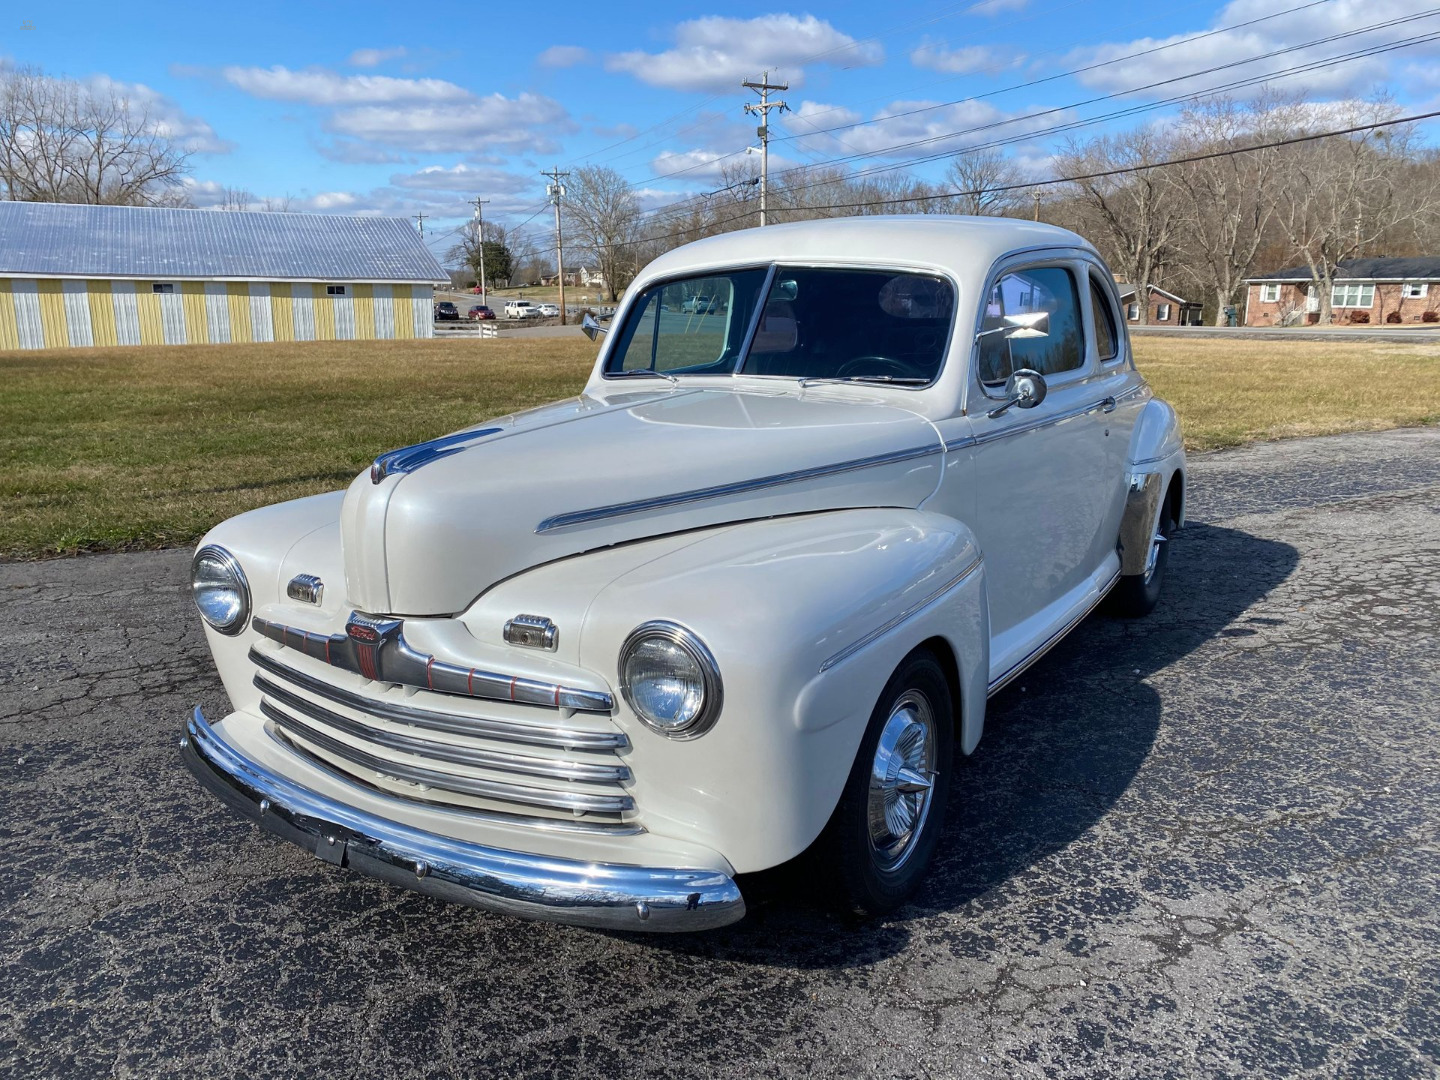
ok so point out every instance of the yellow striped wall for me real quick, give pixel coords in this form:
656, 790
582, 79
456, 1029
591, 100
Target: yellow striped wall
52, 314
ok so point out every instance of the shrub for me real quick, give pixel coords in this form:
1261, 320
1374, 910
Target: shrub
1359, 316
1393, 317
1430, 316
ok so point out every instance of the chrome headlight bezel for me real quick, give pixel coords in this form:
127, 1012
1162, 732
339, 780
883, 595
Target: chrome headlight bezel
238, 582
712, 689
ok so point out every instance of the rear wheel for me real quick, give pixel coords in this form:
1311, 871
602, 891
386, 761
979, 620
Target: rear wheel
1136, 595
879, 842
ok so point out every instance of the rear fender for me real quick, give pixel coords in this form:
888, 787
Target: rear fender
1156, 461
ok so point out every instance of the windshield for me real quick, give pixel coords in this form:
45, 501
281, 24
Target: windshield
816, 323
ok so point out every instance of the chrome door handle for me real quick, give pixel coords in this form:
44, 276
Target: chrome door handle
1108, 405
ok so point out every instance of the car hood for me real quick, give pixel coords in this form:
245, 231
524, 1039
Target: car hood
432, 527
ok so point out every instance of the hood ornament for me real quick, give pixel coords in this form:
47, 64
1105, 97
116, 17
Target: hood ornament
409, 458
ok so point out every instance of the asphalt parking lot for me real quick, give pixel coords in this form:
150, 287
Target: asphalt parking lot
1204, 844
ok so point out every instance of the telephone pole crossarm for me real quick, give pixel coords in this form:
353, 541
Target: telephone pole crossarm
762, 110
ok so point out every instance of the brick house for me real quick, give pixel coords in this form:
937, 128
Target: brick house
1165, 307
1366, 291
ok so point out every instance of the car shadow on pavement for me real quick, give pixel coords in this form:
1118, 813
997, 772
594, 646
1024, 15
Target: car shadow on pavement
1061, 745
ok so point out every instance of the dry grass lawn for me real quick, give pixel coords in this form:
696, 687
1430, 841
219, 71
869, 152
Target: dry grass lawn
108, 449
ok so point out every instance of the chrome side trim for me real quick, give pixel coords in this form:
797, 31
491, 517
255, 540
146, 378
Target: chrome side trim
483, 727
582, 801
1107, 403
376, 649
1049, 643
599, 513
910, 612
524, 765
409, 458
609, 895
1139, 522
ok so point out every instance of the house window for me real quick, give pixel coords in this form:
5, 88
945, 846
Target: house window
162, 287
1352, 295
1162, 312
1414, 290
334, 290
1270, 294
1132, 312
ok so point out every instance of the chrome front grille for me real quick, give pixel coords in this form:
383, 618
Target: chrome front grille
551, 772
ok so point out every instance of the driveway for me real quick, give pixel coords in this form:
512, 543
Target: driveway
1203, 844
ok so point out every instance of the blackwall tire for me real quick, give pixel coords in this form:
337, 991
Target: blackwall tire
878, 844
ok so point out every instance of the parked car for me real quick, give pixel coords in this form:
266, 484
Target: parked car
521, 309
550, 311
742, 600
478, 291
445, 310
699, 305
479, 311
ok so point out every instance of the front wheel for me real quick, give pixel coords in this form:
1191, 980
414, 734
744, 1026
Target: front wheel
879, 841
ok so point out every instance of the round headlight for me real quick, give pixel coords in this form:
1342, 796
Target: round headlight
221, 592
670, 679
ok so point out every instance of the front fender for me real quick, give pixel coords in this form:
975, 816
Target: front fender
807, 617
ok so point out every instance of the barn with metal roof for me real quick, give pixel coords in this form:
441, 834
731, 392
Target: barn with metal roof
73, 275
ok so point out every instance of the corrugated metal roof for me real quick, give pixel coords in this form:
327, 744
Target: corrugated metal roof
158, 242
1420, 268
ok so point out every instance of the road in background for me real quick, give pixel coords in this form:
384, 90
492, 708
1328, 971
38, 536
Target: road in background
1200, 844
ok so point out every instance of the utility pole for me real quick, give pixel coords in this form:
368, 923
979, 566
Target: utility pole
556, 190
480, 239
763, 88
421, 218
1036, 196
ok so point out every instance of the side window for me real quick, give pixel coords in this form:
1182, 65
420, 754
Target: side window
689, 326
1048, 289
1106, 337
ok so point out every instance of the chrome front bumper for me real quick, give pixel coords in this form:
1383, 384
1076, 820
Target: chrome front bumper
608, 895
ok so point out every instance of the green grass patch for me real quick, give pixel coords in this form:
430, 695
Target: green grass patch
113, 449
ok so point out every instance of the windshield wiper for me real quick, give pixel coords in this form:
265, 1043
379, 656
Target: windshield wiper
896, 380
649, 373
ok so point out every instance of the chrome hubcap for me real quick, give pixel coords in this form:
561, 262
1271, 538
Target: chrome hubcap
902, 778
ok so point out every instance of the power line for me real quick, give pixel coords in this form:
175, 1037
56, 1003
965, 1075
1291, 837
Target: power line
1081, 123
1032, 184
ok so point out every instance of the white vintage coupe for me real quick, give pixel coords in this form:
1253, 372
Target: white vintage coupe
743, 599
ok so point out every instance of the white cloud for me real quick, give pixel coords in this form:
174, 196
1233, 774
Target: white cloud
930, 128
164, 116
318, 86
563, 56
354, 152
374, 57
938, 56
1195, 52
715, 53
524, 123
466, 178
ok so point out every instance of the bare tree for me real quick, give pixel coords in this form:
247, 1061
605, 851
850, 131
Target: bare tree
1226, 203
984, 179
1133, 216
62, 141
601, 218
235, 199
1343, 194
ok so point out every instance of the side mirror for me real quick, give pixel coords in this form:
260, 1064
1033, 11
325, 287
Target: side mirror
591, 328
1025, 389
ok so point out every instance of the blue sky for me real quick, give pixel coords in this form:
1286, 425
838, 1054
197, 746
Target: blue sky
393, 109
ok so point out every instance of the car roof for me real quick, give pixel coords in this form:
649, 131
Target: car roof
951, 242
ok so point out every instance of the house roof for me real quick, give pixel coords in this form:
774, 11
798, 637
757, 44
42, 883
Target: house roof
1418, 268
70, 240
1126, 289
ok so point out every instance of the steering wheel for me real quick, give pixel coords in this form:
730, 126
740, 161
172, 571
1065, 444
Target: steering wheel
875, 365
